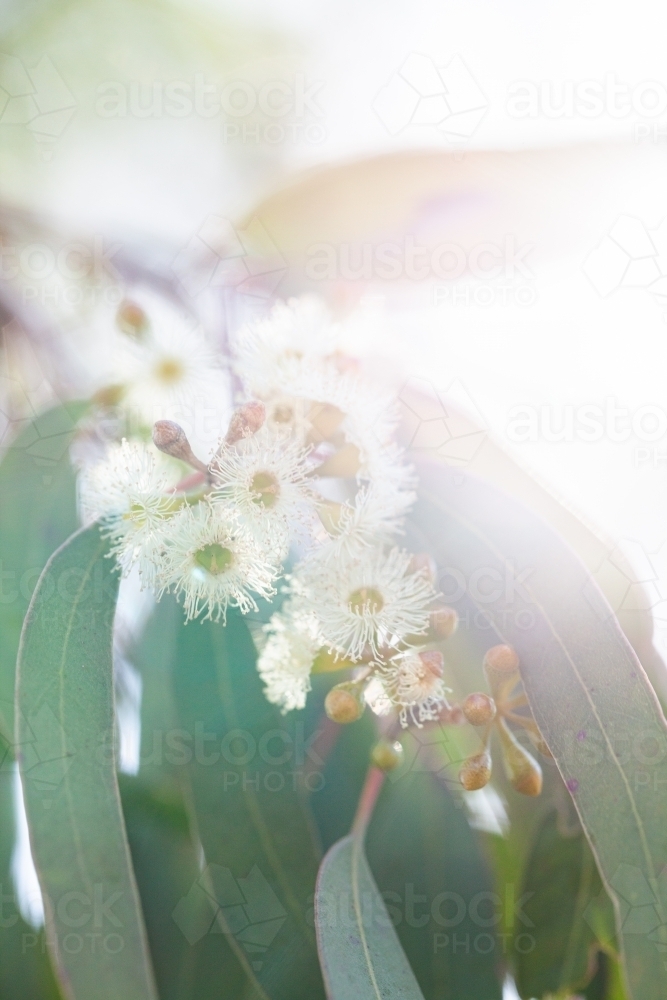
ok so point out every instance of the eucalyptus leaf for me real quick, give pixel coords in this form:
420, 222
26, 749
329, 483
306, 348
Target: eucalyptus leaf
453, 923
361, 955
25, 971
587, 690
67, 758
570, 913
166, 865
37, 514
244, 764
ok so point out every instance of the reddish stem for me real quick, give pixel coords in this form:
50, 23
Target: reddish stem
367, 799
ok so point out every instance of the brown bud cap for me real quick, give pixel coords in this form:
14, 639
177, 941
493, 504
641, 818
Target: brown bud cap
132, 320
344, 704
170, 438
432, 660
326, 662
387, 756
443, 622
479, 709
502, 659
523, 771
245, 422
424, 564
476, 771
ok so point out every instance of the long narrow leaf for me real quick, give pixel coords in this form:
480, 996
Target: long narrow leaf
67, 757
361, 955
37, 514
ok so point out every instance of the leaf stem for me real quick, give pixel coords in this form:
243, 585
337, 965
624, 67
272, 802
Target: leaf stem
367, 799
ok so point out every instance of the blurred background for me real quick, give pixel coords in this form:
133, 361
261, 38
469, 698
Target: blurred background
484, 181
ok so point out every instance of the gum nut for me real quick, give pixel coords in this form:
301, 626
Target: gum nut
503, 659
479, 709
444, 622
387, 755
476, 771
523, 771
343, 704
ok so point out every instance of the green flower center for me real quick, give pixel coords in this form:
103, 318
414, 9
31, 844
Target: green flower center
214, 558
366, 600
266, 489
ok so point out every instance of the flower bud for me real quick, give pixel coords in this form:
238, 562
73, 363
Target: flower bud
424, 564
501, 666
502, 659
387, 756
523, 771
344, 703
432, 661
476, 771
479, 709
132, 320
170, 438
443, 622
245, 422
326, 662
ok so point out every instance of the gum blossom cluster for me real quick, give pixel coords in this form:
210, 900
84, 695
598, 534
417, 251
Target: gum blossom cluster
302, 500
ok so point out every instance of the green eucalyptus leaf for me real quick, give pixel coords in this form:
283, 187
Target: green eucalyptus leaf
165, 862
67, 757
37, 514
360, 953
453, 923
588, 693
244, 764
570, 912
25, 971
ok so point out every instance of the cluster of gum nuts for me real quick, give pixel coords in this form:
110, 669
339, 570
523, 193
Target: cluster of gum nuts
490, 713
495, 712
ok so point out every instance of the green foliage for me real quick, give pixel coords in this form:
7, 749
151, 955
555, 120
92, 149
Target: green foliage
455, 928
206, 872
242, 762
68, 767
37, 514
588, 693
570, 914
359, 950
